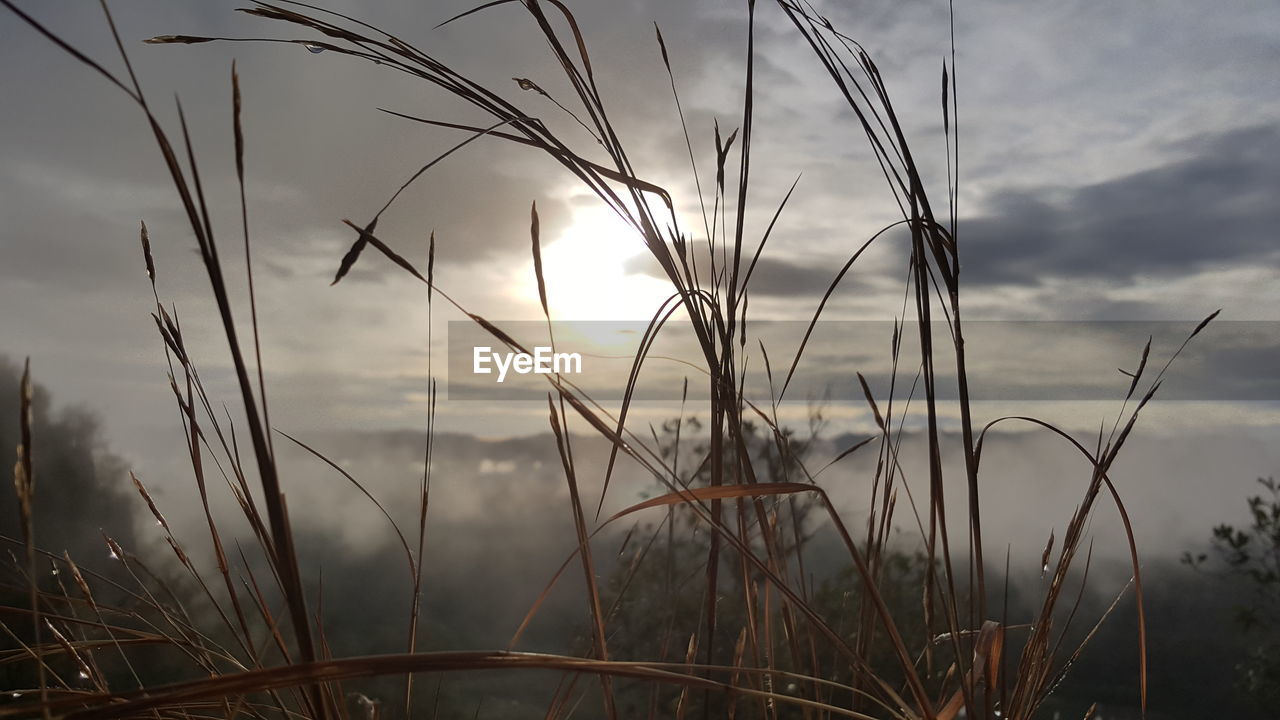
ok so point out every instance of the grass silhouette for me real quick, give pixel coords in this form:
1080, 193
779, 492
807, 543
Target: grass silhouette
783, 654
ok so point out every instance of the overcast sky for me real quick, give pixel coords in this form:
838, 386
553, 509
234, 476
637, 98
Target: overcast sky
1119, 161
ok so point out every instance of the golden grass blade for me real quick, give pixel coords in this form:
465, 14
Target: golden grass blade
181, 695
722, 492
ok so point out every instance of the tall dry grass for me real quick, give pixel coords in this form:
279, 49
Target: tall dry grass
774, 650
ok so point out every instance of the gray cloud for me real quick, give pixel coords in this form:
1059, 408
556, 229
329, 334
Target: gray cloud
773, 277
1216, 207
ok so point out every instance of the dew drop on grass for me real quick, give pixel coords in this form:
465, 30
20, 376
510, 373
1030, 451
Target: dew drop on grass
313, 47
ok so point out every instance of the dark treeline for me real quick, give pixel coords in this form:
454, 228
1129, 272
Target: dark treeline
82, 490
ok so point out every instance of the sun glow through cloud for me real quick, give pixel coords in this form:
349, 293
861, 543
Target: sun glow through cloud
586, 272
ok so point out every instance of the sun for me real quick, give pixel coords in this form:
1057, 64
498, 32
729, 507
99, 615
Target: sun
587, 274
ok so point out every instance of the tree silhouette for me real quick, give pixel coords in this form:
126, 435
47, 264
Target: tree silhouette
82, 489
1252, 553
